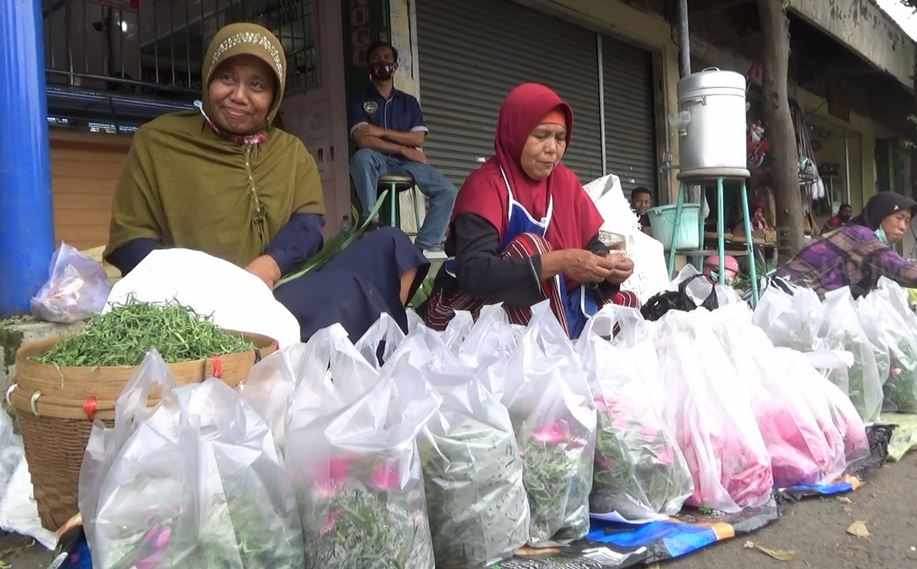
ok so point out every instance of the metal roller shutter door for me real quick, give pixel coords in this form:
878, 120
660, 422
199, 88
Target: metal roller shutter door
630, 135
473, 52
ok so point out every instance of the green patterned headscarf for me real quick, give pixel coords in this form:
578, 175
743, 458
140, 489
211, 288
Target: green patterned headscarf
246, 39
185, 186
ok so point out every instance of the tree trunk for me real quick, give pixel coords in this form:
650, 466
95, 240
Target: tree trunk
784, 163
912, 172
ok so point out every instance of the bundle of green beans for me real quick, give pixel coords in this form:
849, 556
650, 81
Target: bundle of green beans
123, 336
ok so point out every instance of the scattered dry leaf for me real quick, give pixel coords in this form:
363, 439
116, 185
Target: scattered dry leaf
858, 529
778, 554
844, 499
76, 520
534, 551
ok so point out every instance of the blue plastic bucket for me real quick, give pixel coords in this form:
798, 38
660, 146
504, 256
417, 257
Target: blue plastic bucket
662, 221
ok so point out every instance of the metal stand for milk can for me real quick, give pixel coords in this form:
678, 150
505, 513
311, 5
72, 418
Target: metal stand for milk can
712, 128
720, 176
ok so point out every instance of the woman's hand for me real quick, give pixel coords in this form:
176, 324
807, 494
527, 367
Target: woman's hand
621, 267
580, 265
266, 269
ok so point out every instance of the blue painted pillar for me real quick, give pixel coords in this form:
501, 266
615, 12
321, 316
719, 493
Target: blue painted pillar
26, 217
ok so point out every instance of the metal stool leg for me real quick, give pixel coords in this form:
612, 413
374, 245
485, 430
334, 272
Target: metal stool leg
721, 230
416, 210
393, 203
750, 246
701, 240
679, 205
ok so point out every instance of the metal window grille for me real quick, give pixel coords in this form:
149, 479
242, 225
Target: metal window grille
152, 49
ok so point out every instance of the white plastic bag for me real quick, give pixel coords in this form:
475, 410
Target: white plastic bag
841, 330
18, 508
554, 418
792, 420
489, 345
650, 274
105, 444
77, 289
894, 325
709, 410
790, 319
198, 484
458, 329
898, 297
11, 452
270, 386
352, 450
476, 499
237, 299
640, 472
883, 327
609, 199
272, 382
380, 340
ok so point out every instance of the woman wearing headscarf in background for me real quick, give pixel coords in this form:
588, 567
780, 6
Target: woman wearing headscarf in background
860, 252
523, 229
223, 180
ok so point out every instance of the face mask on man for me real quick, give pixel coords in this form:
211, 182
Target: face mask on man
381, 71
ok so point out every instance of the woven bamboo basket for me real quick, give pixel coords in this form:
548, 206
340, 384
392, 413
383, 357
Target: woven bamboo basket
57, 405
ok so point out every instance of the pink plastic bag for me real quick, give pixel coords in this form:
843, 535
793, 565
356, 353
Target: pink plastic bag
709, 409
844, 416
795, 423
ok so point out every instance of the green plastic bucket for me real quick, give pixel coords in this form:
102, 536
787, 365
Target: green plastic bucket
662, 221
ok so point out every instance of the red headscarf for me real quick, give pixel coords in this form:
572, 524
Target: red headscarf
575, 220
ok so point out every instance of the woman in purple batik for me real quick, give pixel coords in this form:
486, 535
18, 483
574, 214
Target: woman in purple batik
860, 252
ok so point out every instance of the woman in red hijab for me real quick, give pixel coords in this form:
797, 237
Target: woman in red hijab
523, 229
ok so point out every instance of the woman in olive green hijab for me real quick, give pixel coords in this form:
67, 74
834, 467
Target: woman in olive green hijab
223, 180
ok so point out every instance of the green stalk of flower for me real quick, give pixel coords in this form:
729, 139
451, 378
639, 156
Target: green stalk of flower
359, 514
557, 480
637, 468
476, 499
856, 382
335, 246
362, 528
901, 387
238, 532
123, 336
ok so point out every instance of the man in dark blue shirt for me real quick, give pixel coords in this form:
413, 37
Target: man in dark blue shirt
388, 126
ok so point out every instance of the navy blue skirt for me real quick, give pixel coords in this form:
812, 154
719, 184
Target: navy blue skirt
356, 286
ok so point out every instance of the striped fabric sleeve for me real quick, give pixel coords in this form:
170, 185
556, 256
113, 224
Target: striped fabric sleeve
885, 261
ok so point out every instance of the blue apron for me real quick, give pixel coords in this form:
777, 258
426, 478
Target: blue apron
579, 305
